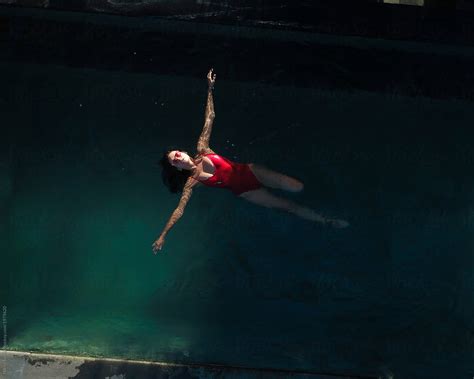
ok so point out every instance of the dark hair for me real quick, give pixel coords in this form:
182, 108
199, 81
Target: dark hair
173, 178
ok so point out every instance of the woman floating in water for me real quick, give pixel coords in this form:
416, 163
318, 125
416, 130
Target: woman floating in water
249, 181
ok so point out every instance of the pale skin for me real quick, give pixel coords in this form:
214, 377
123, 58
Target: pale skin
202, 168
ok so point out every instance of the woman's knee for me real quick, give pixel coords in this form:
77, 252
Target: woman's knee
298, 186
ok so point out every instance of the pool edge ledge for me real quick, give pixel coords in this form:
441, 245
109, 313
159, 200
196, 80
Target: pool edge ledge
23, 364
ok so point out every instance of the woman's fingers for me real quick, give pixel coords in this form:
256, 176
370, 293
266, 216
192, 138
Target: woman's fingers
157, 245
210, 76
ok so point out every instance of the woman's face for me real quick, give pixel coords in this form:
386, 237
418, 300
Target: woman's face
180, 159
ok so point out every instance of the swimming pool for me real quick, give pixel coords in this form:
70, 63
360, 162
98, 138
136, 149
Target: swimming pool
237, 284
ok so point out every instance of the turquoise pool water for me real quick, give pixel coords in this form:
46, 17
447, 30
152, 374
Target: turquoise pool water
82, 202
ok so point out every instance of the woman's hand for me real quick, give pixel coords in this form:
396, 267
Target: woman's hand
211, 79
158, 244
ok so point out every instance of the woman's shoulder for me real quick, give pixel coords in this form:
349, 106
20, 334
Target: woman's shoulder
192, 182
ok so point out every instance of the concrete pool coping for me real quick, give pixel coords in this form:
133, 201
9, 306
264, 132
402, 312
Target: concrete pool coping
23, 364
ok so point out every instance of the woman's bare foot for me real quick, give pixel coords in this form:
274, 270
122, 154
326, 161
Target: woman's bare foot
336, 223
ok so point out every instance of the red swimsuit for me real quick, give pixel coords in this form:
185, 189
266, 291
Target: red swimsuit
235, 176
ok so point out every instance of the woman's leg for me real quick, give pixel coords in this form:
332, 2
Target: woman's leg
263, 197
273, 179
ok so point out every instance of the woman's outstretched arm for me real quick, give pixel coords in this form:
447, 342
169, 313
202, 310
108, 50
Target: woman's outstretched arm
175, 216
203, 142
